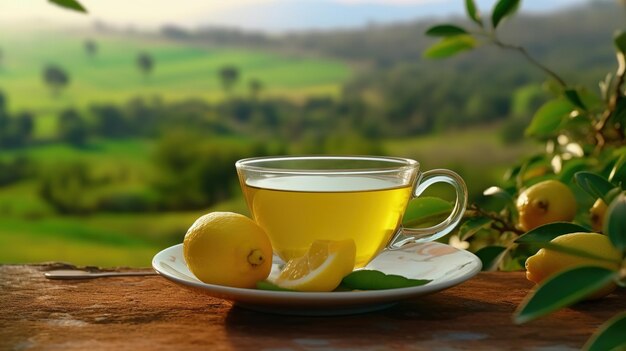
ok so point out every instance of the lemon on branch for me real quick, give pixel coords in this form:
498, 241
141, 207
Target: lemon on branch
545, 202
597, 213
547, 262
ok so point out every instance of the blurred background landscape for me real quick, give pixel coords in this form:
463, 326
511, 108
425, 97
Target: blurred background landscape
116, 135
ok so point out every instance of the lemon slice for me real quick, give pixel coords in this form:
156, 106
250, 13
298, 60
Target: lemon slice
321, 269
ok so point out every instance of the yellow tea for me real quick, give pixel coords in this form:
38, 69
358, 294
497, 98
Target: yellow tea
295, 210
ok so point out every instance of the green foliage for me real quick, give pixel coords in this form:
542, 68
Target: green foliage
15, 170
196, 172
547, 232
503, 8
229, 75
66, 187
619, 40
445, 30
610, 335
265, 285
472, 12
615, 222
548, 118
145, 62
489, 256
585, 142
473, 225
425, 209
594, 184
450, 45
70, 4
15, 131
376, 280
55, 77
72, 128
562, 290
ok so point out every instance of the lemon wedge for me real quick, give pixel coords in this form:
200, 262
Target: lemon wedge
321, 269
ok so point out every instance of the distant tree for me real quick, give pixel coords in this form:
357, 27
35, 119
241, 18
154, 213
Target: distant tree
72, 128
229, 75
25, 122
4, 115
110, 121
91, 47
17, 131
145, 62
66, 187
4, 120
1, 57
12, 171
56, 78
255, 87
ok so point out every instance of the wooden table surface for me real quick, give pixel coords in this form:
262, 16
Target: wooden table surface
152, 313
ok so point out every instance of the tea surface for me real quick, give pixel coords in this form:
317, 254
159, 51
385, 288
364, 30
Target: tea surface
296, 210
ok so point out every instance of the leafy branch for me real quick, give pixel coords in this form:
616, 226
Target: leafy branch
575, 125
606, 126
530, 58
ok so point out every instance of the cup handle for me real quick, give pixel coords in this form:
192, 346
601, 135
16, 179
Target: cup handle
426, 179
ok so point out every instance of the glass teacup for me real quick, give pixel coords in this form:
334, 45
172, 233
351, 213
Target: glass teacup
300, 199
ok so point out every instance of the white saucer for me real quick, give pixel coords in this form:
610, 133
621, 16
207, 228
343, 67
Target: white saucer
445, 265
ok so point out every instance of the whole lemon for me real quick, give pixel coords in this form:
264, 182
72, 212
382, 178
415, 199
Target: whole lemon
545, 202
226, 248
597, 212
547, 262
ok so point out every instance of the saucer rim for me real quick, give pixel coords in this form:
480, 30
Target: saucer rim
284, 298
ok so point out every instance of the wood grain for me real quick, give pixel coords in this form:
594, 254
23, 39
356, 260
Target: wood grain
151, 313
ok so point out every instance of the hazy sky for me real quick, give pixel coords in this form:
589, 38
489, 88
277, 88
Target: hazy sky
270, 15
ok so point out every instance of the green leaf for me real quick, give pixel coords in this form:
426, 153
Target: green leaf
615, 222
571, 167
512, 173
612, 194
69, 4
490, 256
549, 117
376, 280
265, 285
619, 169
534, 162
450, 46
445, 30
503, 9
472, 12
562, 290
619, 39
594, 184
590, 99
609, 336
508, 198
619, 115
472, 226
574, 98
424, 209
547, 232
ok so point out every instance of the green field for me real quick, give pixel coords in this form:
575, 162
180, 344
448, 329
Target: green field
181, 71
31, 232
